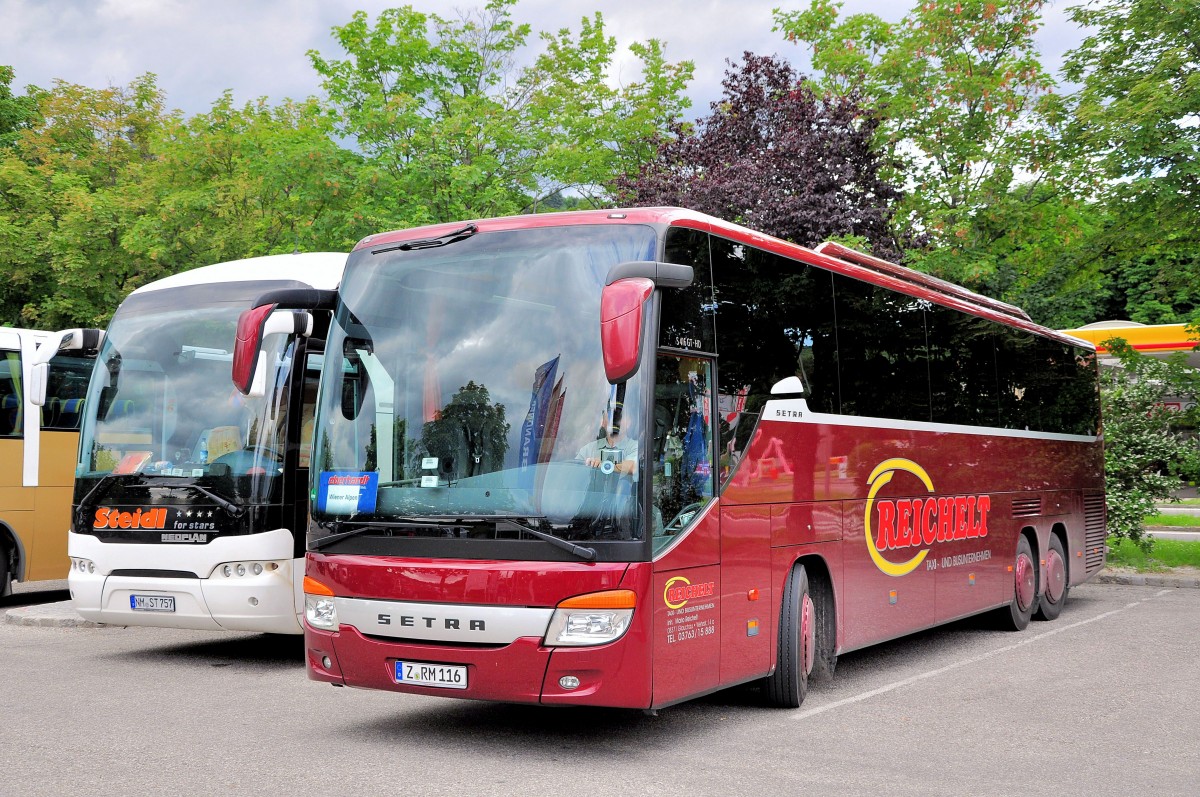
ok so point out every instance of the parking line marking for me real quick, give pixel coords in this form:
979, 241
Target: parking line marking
964, 663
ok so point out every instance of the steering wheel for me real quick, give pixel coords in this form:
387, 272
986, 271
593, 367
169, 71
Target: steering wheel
682, 517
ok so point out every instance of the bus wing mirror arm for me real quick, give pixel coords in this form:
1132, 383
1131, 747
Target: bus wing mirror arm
254, 325
663, 275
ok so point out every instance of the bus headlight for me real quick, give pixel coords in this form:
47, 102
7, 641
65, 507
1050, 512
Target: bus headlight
319, 608
82, 565
321, 612
592, 619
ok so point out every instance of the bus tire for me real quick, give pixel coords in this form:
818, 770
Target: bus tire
787, 686
5, 570
1057, 583
1016, 615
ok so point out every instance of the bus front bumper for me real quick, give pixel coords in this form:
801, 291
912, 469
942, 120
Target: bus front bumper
523, 671
202, 597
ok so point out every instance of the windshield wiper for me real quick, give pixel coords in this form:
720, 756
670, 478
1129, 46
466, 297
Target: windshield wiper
429, 243
329, 539
106, 481
583, 552
234, 509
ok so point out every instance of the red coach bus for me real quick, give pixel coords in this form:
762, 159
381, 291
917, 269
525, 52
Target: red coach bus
626, 458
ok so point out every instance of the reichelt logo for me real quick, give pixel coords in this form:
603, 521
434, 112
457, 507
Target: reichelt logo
915, 522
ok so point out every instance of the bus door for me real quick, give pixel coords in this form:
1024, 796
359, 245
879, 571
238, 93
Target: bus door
687, 590
305, 379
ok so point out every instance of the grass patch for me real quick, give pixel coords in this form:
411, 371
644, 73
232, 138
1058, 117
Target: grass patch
1182, 521
1165, 555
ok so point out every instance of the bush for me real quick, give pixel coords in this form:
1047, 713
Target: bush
1149, 448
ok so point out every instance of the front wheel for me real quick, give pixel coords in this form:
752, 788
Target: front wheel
1016, 615
5, 574
1052, 600
788, 685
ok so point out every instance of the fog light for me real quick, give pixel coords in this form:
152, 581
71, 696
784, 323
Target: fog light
325, 662
253, 601
568, 682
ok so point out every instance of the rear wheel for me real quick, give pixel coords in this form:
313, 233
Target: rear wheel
1052, 600
1025, 582
787, 686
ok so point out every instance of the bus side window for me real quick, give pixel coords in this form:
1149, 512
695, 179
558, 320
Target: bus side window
10, 394
682, 443
66, 391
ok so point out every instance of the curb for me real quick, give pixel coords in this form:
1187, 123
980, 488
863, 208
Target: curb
1148, 579
48, 615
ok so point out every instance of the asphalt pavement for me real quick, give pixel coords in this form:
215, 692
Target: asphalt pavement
61, 613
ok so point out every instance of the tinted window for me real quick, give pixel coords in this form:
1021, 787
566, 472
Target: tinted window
962, 367
10, 394
881, 351
66, 391
775, 320
687, 313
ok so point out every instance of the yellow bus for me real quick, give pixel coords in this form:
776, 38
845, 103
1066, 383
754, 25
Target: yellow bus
38, 449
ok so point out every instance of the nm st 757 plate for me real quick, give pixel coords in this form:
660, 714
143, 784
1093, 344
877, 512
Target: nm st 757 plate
152, 603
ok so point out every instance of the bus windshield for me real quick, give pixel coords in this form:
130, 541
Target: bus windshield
161, 404
470, 399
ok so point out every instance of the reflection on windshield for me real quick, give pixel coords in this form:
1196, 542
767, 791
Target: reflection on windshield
162, 404
471, 386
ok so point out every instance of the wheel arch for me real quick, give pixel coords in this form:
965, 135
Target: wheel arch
822, 590
1059, 529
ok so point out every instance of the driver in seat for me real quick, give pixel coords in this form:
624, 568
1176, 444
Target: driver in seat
613, 451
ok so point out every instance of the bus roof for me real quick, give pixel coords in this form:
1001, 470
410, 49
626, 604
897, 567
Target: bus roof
318, 269
829, 256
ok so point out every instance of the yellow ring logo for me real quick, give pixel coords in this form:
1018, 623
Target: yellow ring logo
879, 477
667, 591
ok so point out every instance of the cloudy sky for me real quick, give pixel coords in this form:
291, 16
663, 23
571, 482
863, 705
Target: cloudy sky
199, 48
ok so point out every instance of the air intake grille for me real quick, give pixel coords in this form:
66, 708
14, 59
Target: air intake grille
1027, 507
1094, 527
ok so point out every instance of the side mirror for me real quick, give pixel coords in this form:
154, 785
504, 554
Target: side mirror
85, 340
788, 386
254, 325
621, 306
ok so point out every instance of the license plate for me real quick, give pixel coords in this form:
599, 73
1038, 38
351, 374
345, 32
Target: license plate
446, 676
152, 603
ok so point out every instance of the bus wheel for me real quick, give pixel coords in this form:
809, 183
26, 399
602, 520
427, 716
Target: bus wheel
787, 686
5, 575
1051, 603
1016, 615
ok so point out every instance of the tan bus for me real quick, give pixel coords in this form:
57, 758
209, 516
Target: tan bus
38, 447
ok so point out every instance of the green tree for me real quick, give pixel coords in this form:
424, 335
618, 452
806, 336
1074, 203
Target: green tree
573, 101
64, 201
242, 181
969, 116
16, 112
1137, 124
1149, 449
456, 130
